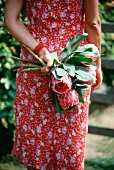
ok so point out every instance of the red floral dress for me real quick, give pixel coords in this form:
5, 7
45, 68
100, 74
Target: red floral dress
44, 138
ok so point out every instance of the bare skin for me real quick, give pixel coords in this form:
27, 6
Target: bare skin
21, 34
93, 28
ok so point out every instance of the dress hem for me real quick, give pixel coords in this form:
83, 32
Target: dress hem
27, 164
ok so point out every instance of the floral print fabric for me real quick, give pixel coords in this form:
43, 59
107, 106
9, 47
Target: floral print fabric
44, 138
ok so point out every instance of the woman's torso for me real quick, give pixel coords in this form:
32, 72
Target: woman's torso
54, 22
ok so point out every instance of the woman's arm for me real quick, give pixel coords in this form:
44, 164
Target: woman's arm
93, 28
19, 31
15, 26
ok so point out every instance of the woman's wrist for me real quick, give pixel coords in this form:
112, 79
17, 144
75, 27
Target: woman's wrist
98, 67
38, 48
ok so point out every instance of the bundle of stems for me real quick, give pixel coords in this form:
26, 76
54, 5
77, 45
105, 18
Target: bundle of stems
36, 64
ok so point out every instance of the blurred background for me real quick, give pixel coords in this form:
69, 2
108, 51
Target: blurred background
100, 142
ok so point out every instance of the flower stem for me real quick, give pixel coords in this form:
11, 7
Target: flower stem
25, 60
31, 69
27, 65
34, 55
24, 66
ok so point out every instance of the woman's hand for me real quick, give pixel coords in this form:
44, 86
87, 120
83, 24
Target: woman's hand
44, 54
99, 79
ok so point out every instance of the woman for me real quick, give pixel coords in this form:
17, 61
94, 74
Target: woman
45, 139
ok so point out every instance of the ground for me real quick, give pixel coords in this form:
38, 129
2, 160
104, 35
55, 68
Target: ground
99, 150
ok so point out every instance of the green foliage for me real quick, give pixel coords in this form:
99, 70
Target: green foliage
55, 101
71, 46
107, 11
108, 45
72, 53
2, 3
107, 15
70, 68
8, 47
99, 164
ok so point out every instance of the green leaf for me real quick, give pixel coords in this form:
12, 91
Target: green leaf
80, 58
60, 65
7, 65
71, 45
83, 74
87, 54
53, 71
11, 93
54, 100
56, 62
6, 82
81, 86
72, 107
79, 38
54, 56
60, 71
69, 68
83, 59
81, 99
86, 51
1, 53
80, 49
78, 63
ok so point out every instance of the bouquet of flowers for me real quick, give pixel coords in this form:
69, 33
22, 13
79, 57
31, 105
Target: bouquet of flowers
71, 75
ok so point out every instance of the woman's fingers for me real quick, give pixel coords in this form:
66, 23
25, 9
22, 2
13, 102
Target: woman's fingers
49, 65
46, 70
44, 54
43, 70
99, 79
96, 85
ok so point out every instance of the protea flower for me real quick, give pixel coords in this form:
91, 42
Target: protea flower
68, 99
63, 85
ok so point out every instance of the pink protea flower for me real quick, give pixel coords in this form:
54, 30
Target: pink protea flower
68, 99
63, 85
85, 46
